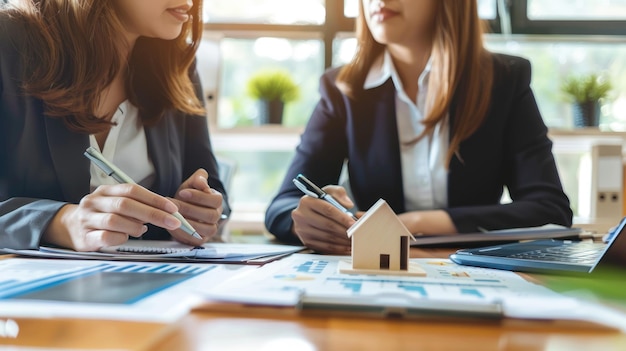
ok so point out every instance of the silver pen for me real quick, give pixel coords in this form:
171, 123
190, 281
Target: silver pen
111, 170
309, 188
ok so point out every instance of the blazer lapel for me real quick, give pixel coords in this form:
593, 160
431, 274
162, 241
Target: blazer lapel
381, 133
387, 111
455, 168
66, 150
158, 139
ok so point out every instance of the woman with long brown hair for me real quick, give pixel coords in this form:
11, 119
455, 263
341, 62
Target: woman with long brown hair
118, 76
429, 120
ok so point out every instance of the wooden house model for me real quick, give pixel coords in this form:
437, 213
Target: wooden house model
380, 244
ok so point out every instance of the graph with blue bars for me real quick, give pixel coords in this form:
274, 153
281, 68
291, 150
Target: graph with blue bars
419, 288
320, 277
312, 267
80, 284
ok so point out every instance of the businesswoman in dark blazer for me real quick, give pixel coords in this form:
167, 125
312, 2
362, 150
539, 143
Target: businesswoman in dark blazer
117, 75
429, 120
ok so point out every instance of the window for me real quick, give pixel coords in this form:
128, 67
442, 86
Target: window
555, 59
563, 38
351, 8
584, 10
242, 37
265, 11
568, 17
487, 9
304, 37
250, 35
302, 58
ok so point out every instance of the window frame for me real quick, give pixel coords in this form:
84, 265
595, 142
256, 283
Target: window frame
521, 24
335, 22
337, 25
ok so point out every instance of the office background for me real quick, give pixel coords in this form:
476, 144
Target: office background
304, 37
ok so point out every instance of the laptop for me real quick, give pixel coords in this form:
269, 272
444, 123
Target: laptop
551, 256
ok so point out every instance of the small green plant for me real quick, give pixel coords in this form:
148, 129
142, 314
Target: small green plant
272, 85
586, 88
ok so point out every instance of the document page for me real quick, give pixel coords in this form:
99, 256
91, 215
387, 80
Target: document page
164, 250
313, 281
104, 289
311, 276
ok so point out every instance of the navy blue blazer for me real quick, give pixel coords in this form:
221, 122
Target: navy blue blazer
42, 166
511, 149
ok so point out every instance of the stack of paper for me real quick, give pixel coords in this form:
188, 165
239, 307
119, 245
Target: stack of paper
158, 250
146, 291
312, 282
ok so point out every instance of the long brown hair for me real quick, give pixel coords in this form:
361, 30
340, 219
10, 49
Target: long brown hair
462, 69
74, 52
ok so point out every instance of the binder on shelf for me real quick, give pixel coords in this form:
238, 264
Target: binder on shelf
601, 184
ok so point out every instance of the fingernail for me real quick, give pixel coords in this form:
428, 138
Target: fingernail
185, 194
144, 229
172, 222
170, 207
208, 187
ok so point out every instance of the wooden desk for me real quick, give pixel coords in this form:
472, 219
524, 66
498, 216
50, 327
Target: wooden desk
270, 331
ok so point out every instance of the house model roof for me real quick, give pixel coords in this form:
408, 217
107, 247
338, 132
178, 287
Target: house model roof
382, 214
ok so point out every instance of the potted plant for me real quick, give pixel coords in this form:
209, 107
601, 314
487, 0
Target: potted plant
585, 93
273, 89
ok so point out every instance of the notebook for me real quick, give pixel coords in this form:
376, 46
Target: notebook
166, 250
550, 256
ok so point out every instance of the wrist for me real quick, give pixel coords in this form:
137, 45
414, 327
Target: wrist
412, 221
58, 231
428, 222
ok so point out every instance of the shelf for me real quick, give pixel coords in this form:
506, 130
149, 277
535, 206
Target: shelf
265, 138
582, 139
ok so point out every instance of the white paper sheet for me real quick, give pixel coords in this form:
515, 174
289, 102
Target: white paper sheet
447, 287
162, 250
145, 291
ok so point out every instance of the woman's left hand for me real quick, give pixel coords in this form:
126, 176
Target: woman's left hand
200, 205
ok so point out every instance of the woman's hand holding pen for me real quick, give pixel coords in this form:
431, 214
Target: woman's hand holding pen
321, 226
108, 216
200, 205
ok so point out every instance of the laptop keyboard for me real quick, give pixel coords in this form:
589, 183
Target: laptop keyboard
579, 252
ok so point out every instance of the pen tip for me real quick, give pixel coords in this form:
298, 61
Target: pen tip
196, 235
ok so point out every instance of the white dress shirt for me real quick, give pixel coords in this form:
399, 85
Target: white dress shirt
424, 173
125, 147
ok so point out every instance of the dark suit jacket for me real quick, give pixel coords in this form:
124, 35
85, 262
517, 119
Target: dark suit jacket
510, 149
42, 166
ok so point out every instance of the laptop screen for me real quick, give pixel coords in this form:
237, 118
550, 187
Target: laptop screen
615, 252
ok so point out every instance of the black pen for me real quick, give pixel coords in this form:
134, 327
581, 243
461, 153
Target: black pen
309, 188
111, 170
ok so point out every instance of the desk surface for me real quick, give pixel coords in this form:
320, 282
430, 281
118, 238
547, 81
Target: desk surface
272, 331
